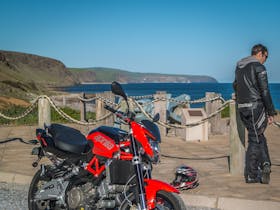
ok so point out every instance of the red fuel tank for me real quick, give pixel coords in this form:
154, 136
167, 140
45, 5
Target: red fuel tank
102, 144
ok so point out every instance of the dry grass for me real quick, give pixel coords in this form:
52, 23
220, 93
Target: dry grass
8, 101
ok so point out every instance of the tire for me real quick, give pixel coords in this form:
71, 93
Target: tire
36, 184
164, 200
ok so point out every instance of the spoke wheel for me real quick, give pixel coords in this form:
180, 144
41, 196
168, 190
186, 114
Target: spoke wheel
164, 201
36, 184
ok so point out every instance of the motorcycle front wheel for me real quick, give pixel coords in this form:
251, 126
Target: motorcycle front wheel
164, 200
36, 184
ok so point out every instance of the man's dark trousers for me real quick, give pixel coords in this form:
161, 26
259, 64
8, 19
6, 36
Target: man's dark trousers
255, 120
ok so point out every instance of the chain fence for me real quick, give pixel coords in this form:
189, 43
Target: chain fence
135, 104
60, 111
168, 125
25, 113
277, 124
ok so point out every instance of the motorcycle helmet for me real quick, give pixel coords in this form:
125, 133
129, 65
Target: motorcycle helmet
185, 178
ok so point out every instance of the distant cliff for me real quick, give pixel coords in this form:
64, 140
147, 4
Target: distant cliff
104, 75
23, 75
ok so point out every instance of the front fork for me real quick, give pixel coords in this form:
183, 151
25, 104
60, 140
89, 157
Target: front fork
136, 161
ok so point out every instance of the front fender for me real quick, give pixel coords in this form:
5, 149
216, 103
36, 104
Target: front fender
152, 187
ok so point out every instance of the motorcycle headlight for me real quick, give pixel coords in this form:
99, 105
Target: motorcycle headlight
156, 150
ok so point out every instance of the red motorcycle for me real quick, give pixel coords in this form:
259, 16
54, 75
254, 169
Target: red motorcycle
108, 169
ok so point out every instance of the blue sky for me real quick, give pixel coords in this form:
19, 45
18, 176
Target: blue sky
199, 37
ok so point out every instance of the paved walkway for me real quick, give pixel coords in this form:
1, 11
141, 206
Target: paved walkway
217, 189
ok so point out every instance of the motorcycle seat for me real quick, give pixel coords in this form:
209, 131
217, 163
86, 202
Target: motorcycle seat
68, 139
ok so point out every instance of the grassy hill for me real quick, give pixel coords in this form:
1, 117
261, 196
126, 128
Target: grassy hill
22, 75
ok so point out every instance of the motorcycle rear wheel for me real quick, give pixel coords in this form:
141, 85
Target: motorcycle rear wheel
164, 200
36, 184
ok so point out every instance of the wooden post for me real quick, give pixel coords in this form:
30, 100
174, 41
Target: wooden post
210, 107
83, 111
237, 142
100, 111
110, 96
123, 108
64, 101
161, 108
44, 112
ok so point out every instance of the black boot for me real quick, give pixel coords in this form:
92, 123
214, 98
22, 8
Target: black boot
265, 173
250, 180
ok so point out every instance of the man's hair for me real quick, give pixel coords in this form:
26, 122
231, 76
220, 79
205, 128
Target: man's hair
258, 48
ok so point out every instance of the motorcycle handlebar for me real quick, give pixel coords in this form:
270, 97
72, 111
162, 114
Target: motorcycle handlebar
110, 109
119, 114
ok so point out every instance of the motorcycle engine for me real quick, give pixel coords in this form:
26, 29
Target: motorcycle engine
75, 197
79, 196
99, 197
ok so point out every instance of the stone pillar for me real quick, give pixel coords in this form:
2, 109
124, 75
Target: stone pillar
216, 126
83, 111
44, 112
198, 132
161, 108
237, 142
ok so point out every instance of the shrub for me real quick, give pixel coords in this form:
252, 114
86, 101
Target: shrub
32, 118
225, 112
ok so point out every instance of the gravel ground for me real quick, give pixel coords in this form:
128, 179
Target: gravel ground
14, 197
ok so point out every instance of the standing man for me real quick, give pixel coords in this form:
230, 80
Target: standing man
256, 110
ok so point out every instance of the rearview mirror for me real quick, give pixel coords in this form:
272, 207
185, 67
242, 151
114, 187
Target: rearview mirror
156, 117
117, 89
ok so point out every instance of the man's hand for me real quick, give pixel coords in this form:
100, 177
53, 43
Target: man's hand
270, 120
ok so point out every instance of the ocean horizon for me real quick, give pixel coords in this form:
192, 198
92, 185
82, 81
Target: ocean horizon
194, 90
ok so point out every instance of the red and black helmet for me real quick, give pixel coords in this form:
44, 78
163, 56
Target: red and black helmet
185, 178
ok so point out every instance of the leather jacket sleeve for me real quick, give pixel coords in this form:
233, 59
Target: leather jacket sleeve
262, 81
234, 85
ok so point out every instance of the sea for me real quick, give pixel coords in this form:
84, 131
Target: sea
194, 90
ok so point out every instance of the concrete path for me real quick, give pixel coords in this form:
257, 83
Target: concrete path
217, 189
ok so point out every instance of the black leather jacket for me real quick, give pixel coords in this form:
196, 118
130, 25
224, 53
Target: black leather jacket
251, 84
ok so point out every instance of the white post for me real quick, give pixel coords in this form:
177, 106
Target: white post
44, 112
